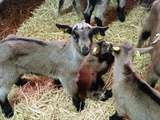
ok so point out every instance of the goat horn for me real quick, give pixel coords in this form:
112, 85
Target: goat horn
157, 38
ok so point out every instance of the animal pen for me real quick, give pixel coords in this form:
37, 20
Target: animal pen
41, 99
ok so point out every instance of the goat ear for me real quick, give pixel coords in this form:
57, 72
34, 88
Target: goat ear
64, 28
102, 30
99, 43
99, 32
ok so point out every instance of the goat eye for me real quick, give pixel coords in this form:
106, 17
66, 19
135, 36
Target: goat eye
75, 36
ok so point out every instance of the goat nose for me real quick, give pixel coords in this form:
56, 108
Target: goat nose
85, 51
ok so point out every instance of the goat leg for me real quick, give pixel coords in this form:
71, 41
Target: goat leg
77, 6
99, 83
98, 21
57, 83
62, 11
106, 95
143, 37
60, 6
7, 108
115, 117
121, 10
78, 102
89, 10
152, 78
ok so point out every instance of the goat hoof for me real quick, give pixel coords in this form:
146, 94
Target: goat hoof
107, 95
121, 14
7, 109
80, 106
57, 83
8, 112
115, 117
78, 103
121, 17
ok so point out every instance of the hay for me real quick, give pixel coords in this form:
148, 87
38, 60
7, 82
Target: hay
128, 31
55, 104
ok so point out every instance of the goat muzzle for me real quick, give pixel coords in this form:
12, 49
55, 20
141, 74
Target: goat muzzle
85, 51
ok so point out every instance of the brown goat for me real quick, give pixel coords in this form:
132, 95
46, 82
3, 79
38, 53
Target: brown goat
90, 82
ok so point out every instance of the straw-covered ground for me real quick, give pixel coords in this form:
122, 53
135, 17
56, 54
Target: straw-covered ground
13, 13
53, 104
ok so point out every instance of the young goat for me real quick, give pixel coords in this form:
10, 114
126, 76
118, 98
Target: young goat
20, 56
96, 64
90, 83
99, 62
101, 6
150, 28
133, 96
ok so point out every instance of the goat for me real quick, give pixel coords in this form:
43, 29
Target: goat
90, 83
133, 96
101, 6
20, 56
97, 64
151, 27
